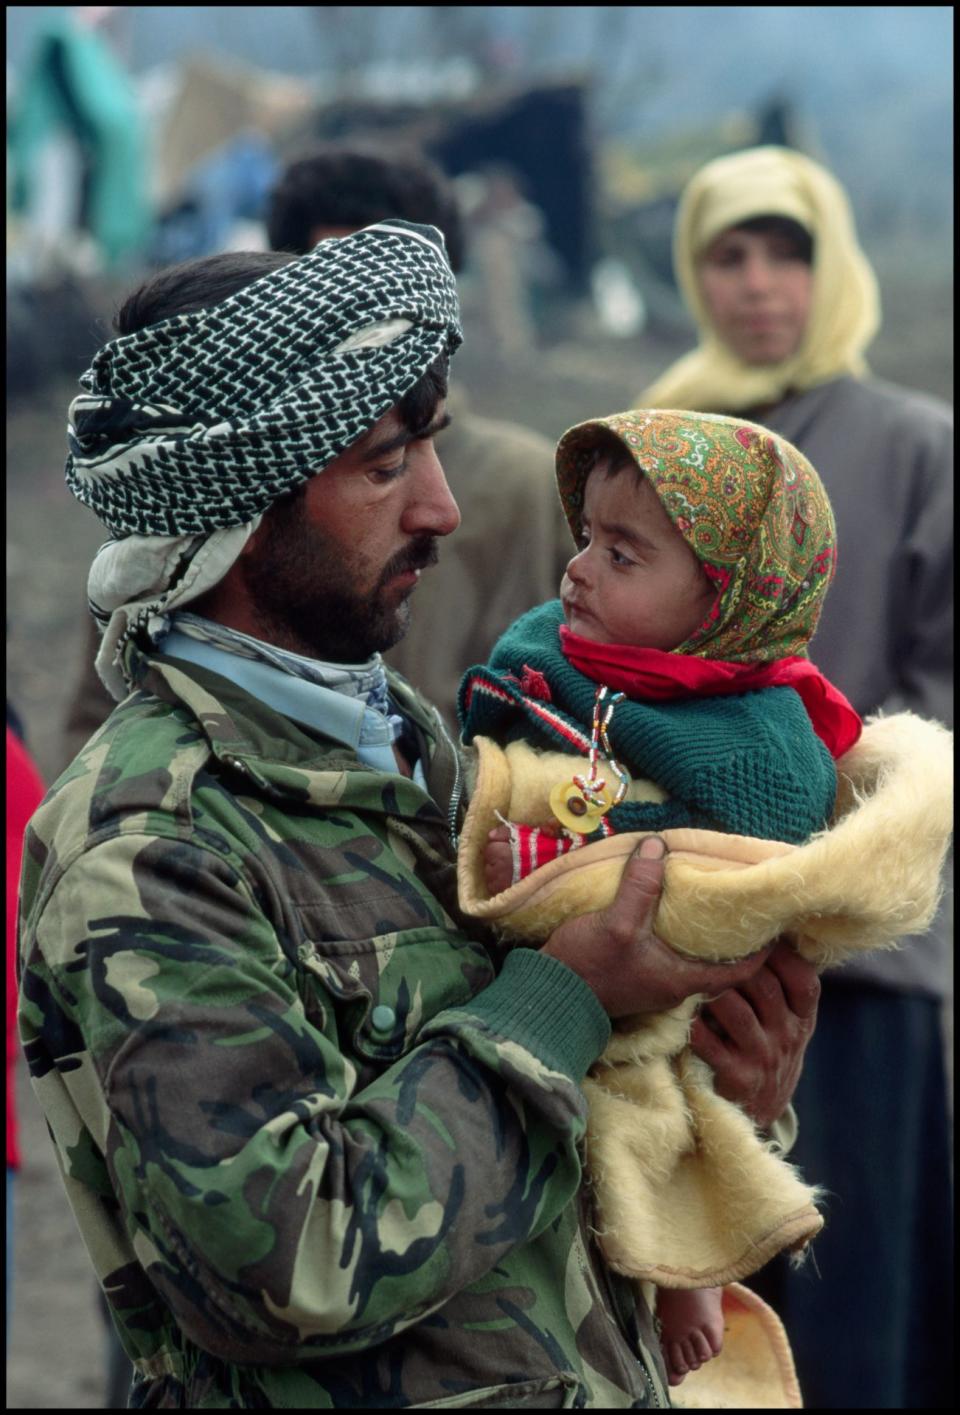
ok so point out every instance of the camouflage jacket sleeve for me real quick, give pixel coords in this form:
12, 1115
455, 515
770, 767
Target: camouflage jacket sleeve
297, 1176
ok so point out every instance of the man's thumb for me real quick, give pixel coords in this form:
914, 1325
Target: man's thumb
639, 892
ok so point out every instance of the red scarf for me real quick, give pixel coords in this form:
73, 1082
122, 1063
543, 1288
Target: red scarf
657, 675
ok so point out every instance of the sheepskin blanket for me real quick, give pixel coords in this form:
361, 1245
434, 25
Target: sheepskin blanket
754, 1370
688, 1193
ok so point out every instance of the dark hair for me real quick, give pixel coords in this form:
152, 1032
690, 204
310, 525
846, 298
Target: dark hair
781, 226
197, 284
350, 184
194, 285
606, 446
419, 404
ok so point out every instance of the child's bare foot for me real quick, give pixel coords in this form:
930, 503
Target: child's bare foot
692, 1328
498, 861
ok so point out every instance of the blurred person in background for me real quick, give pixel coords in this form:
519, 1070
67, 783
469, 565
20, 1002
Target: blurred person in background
511, 257
24, 794
512, 545
767, 258
76, 148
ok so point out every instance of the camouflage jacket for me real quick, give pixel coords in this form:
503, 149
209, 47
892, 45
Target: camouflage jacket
319, 1135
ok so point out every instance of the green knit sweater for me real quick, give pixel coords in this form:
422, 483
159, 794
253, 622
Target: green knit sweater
745, 763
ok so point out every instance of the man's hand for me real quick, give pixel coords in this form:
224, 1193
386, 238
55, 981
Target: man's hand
617, 954
754, 1035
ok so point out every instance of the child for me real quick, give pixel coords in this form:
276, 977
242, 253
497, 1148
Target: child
705, 549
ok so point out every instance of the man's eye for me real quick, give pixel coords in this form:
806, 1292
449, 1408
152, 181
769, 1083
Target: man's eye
385, 474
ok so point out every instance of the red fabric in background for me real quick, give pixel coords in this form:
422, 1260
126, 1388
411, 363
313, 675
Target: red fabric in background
657, 675
24, 793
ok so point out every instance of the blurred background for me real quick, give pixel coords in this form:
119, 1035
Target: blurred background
143, 135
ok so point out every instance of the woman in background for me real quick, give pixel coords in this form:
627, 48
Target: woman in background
786, 304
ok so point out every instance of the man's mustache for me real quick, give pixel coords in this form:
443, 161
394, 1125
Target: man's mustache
417, 556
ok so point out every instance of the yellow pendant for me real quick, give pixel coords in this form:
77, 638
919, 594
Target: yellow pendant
574, 811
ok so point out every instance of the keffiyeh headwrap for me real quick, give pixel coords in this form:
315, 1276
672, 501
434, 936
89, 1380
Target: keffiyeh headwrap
845, 308
751, 508
189, 429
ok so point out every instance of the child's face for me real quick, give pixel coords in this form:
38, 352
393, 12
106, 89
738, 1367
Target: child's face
635, 580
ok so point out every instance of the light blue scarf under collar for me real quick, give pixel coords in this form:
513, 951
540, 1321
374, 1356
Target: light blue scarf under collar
347, 702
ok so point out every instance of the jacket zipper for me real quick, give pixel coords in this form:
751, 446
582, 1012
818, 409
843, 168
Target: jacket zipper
457, 786
642, 1357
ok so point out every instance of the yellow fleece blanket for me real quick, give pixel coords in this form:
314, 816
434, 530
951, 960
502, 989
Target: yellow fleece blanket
754, 1370
688, 1193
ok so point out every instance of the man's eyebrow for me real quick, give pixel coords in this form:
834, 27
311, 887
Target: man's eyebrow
393, 444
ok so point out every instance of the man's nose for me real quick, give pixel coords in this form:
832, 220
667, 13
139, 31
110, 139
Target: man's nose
431, 509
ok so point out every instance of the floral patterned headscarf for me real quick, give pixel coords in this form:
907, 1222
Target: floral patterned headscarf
749, 505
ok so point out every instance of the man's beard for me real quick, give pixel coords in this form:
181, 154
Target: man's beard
305, 596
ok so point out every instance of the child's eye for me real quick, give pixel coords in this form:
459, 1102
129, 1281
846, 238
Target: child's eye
619, 558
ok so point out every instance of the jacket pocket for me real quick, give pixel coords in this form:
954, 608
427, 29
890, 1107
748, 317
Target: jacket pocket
384, 989
562, 1392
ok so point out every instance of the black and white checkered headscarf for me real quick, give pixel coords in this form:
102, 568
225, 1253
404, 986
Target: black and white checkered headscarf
189, 429
199, 422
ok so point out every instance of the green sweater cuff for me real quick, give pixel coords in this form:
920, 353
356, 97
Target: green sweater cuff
541, 1003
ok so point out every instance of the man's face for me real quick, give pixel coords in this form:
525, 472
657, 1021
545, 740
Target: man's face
330, 571
757, 288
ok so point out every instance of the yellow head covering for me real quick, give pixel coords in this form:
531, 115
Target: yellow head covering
845, 309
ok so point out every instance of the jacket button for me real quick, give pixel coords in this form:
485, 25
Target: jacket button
383, 1018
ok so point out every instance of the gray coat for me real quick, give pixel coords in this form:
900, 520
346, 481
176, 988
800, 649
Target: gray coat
885, 455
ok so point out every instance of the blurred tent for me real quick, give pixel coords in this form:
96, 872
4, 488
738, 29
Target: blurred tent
539, 132
543, 135
215, 131
210, 103
219, 202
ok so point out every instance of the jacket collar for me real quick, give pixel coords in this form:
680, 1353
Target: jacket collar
283, 759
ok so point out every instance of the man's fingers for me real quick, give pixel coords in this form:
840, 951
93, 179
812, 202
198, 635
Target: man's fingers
786, 984
764, 994
737, 1017
798, 978
705, 1043
717, 978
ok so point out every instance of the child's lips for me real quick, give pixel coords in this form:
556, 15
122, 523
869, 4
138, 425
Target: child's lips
574, 610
